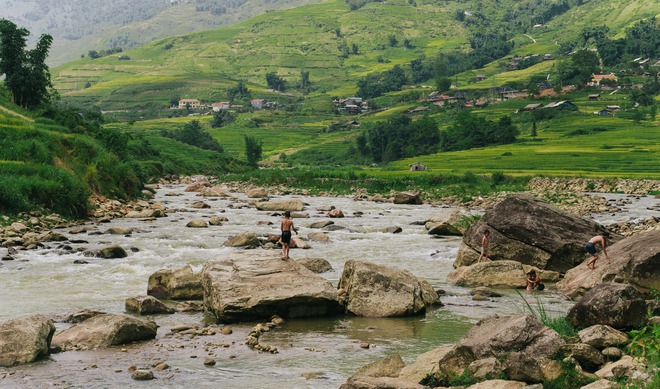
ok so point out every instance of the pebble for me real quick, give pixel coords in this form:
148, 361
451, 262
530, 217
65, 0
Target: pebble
209, 362
142, 375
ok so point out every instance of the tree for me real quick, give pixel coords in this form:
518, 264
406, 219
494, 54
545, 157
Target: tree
252, 151
222, 118
26, 73
275, 82
304, 79
392, 40
442, 84
240, 91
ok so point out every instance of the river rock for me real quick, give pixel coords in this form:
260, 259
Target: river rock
119, 231
444, 223
145, 305
612, 304
246, 239
602, 384
530, 231
104, 330
389, 366
200, 205
498, 384
424, 364
409, 197
316, 265
215, 191
321, 224
393, 230
381, 291
238, 288
144, 214
523, 336
255, 193
142, 375
589, 357
319, 237
176, 284
25, 340
491, 273
280, 205
197, 186
112, 251
364, 382
299, 243
216, 220
336, 213
634, 260
601, 336
197, 223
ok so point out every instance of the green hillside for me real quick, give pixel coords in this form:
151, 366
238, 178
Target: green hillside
339, 46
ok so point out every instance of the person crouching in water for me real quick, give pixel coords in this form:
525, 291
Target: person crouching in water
591, 248
534, 281
286, 227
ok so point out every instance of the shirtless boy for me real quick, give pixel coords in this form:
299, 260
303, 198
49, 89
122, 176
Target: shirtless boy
484, 246
591, 248
286, 227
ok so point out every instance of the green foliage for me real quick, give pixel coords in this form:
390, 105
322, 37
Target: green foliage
25, 71
579, 69
221, 118
401, 137
570, 378
644, 344
239, 92
275, 82
375, 85
252, 151
193, 133
469, 131
434, 380
560, 324
465, 221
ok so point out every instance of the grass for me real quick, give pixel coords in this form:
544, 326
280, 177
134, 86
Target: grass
558, 323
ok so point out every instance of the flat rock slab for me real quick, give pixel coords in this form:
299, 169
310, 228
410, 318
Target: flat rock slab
244, 287
104, 330
280, 205
490, 273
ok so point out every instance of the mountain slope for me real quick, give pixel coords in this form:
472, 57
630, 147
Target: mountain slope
79, 26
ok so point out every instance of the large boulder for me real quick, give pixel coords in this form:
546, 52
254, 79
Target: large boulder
104, 330
25, 340
530, 231
176, 284
380, 291
616, 305
407, 198
444, 222
239, 288
280, 205
257, 193
246, 239
634, 260
495, 273
112, 251
602, 336
500, 337
424, 364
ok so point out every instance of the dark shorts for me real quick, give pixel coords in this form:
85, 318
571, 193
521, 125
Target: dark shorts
591, 248
286, 236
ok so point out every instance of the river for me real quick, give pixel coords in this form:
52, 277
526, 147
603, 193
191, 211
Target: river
313, 353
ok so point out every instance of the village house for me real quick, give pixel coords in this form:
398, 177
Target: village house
189, 103
565, 104
417, 167
259, 103
596, 79
531, 107
480, 77
416, 110
352, 109
216, 107
595, 96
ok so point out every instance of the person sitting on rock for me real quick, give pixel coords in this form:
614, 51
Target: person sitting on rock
591, 248
534, 281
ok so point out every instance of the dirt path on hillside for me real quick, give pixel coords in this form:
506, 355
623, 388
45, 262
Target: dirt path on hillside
9, 111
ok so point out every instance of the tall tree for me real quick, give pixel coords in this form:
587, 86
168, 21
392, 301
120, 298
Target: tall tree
26, 73
252, 151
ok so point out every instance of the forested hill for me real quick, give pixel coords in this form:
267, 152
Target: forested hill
80, 26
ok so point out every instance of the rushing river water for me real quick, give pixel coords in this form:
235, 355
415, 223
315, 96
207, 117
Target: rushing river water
313, 353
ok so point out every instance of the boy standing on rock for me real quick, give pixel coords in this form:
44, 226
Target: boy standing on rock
286, 227
591, 248
484, 246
